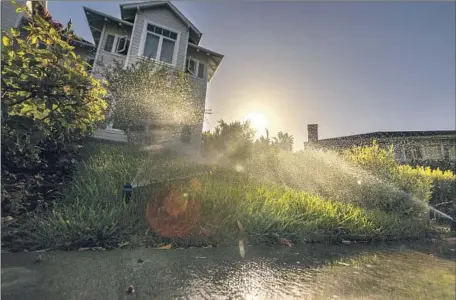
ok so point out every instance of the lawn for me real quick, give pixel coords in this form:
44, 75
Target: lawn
192, 204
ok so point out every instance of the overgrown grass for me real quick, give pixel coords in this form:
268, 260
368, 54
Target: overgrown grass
92, 212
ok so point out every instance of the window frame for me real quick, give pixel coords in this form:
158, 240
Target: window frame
117, 37
197, 67
142, 45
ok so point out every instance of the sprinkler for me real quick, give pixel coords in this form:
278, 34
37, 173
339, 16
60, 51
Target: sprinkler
127, 191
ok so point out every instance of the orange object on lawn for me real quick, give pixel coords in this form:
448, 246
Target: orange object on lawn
285, 242
177, 217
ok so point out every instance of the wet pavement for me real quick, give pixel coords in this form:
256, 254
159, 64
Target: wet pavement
316, 271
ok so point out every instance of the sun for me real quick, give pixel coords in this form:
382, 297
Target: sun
258, 122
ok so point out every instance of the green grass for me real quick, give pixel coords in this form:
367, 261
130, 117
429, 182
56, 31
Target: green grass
92, 212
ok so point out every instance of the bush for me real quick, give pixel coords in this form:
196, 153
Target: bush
150, 94
49, 103
443, 192
381, 163
433, 186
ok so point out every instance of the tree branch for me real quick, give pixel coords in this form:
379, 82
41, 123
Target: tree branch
22, 100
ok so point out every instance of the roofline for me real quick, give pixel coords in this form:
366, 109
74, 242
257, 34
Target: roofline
391, 134
158, 3
205, 50
87, 9
86, 43
212, 53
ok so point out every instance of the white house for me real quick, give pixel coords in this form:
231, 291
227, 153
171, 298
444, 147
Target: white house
152, 30
157, 31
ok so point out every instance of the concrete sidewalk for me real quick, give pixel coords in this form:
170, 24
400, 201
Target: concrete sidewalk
301, 272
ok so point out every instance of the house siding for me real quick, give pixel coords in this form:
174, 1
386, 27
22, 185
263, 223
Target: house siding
160, 17
200, 56
105, 58
9, 16
406, 149
200, 86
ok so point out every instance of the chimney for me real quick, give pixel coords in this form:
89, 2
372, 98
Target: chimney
312, 133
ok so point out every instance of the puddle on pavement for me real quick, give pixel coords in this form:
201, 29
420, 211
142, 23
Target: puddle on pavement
413, 271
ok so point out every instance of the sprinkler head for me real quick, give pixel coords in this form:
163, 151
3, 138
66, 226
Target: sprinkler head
127, 191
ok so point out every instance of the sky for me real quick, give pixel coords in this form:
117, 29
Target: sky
350, 67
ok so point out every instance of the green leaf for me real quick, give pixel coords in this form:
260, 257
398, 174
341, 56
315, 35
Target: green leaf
19, 10
15, 32
7, 40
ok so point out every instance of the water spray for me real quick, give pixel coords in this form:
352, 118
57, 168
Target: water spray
442, 214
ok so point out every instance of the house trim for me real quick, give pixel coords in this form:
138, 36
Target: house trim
107, 16
214, 60
99, 45
114, 44
114, 53
198, 63
173, 8
143, 41
207, 51
186, 52
131, 42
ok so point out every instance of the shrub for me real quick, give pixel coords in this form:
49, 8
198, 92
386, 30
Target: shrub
49, 103
328, 175
381, 163
150, 94
229, 142
433, 186
443, 192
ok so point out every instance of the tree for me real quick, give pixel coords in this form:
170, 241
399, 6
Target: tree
147, 93
232, 140
49, 103
284, 141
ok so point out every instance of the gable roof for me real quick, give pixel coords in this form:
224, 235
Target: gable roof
214, 59
127, 8
97, 19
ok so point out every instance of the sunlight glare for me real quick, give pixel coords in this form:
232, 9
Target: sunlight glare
258, 122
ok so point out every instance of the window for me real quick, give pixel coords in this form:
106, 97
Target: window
201, 70
109, 42
452, 152
195, 67
159, 44
167, 51
122, 45
151, 46
398, 152
446, 152
433, 152
117, 44
417, 153
408, 153
191, 66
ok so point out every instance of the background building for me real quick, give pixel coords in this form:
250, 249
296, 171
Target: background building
437, 147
